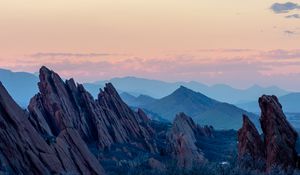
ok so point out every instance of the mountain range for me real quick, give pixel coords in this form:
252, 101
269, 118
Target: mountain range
65, 130
203, 110
290, 103
221, 92
19, 82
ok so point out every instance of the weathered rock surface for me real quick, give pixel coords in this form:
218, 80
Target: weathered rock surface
251, 148
131, 126
279, 136
156, 165
278, 147
105, 121
182, 142
24, 151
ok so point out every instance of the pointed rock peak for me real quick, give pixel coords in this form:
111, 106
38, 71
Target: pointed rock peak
71, 84
71, 81
250, 145
110, 88
279, 136
183, 89
182, 142
182, 117
184, 124
44, 69
48, 78
269, 100
247, 122
109, 91
248, 126
45, 73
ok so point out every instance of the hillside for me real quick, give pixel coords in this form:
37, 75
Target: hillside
203, 109
133, 101
220, 92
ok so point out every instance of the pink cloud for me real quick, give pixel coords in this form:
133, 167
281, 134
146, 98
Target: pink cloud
238, 67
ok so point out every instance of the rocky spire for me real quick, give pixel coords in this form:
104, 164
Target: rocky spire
182, 140
59, 104
279, 136
24, 151
278, 147
105, 121
251, 149
131, 126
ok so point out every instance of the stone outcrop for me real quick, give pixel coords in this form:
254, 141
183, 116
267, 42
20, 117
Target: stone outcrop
251, 149
105, 121
278, 147
182, 142
24, 151
279, 136
129, 126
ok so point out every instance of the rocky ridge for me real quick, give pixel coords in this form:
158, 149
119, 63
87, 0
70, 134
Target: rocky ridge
106, 121
24, 151
182, 141
66, 130
278, 146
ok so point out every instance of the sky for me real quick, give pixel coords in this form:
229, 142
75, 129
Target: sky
236, 42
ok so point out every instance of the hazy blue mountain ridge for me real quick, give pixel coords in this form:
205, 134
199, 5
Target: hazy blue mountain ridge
204, 110
21, 85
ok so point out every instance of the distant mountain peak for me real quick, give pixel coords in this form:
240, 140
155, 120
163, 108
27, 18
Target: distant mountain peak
183, 89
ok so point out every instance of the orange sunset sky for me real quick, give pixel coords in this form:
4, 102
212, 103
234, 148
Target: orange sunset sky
236, 42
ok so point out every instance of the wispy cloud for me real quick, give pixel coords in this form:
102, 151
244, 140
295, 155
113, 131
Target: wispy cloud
296, 16
281, 54
225, 50
284, 7
290, 32
238, 67
66, 54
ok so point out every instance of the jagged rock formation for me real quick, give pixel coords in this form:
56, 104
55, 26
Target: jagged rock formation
106, 121
130, 125
182, 141
279, 136
24, 151
66, 129
278, 145
251, 149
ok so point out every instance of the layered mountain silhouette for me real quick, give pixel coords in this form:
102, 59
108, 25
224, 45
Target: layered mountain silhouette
289, 102
133, 101
221, 92
201, 108
65, 130
139, 86
19, 82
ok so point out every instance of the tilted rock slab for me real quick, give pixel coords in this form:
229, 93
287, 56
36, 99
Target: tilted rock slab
182, 140
24, 151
